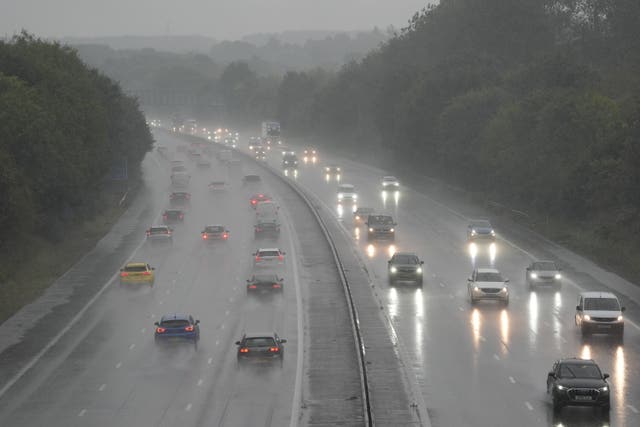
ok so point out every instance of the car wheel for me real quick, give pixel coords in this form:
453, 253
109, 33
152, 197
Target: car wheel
585, 331
604, 409
557, 407
472, 300
505, 302
420, 282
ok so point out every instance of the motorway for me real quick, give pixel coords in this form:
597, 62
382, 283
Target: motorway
484, 365
103, 368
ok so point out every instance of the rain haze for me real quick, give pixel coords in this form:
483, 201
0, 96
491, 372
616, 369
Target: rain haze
219, 19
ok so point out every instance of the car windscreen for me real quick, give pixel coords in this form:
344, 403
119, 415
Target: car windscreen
172, 213
290, 157
135, 268
262, 278
158, 230
544, 266
345, 189
214, 229
269, 253
489, 277
481, 224
174, 323
577, 370
179, 195
179, 168
260, 342
380, 219
405, 259
608, 304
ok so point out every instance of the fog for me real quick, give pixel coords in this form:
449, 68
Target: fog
222, 19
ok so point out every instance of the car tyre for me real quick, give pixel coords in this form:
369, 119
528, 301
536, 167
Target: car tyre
557, 407
505, 302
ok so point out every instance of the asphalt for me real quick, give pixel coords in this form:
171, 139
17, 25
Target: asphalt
84, 353
484, 365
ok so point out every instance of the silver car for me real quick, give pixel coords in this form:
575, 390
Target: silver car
160, 233
487, 283
268, 257
543, 273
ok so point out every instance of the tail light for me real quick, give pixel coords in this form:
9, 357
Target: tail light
276, 286
165, 216
172, 196
147, 273
188, 196
148, 233
244, 350
124, 274
280, 257
205, 237
254, 201
160, 330
258, 229
189, 328
274, 349
225, 236
253, 287
257, 258
181, 216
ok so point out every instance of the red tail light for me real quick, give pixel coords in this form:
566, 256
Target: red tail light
274, 349
244, 350
147, 273
160, 330
280, 257
124, 274
189, 328
188, 196
205, 237
276, 286
257, 258
165, 216
253, 287
148, 233
225, 236
254, 201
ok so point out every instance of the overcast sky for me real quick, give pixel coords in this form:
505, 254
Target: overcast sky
222, 19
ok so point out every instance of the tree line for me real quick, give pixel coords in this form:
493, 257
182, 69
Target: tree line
62, 125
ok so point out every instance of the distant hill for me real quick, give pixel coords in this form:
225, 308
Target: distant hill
178, 44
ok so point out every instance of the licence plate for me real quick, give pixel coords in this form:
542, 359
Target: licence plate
583, 398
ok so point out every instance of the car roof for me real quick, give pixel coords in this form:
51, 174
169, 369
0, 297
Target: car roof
478, 221
214, 225
577, 360
389, 177
173, 210
136, 264
268, 249
180, 192
487, 270
174, 316
405, 254
598, 295
259, 335
260, 276
346, 186
159, 226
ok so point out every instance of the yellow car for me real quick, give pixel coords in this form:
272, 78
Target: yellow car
137, 272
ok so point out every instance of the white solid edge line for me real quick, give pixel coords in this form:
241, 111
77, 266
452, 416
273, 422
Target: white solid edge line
68, 327
297, 389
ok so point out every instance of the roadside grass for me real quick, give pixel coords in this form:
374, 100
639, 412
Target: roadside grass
41, 262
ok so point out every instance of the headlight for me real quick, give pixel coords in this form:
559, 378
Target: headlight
371, 230
340, 195
493, 233
419, 270
604, 389
392, 230
559, 387
504, 289
558, 276
587, 317
355, 196
620, 318
475, 288
534, 275
393, 269
473, 232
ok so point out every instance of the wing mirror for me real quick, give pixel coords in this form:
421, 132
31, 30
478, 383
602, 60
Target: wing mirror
197, 322
421, 262
122, 269
281, 280
237, 342
506, 280
605, 376
623, 308
153, 268
578, 308
469, 279
156, 323
552, 374
284, 341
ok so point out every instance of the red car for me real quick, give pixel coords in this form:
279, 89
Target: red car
256, 198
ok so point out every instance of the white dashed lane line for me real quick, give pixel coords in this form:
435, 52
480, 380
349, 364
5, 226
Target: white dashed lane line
188, 408
143, 330
118, 365
633, 409
81, 413
210, 361
495, 356
102, 387
528, 405
200, 381
132, 346
512, 380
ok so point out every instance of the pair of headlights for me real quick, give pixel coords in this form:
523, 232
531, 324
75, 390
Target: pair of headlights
557, 276
395, 270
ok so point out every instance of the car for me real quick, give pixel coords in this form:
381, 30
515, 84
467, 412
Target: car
390, 183
264, 283
137, 272
177, 327
254, 143
203, 163
543, 273
180, 179
347, 193
480, 229
218, 185
179, 198
289, 161
170, 216
159, 233
310, 155
599, 313
405, 266
361, 214
578, 382
251, 179
260, 348
332, 172
260, 155
176, 163
162, 150
487, 283
178, 168
267, 257
381, 226
257, 198
214, 232
266, 225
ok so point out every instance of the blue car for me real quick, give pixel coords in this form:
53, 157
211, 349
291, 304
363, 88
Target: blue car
177, 327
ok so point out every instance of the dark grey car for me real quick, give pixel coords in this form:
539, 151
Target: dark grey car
405, 266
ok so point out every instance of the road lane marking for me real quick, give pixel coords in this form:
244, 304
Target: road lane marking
495, 356
81, 413
222, 326
161, 302
633, 409
441, 285
118, 365
528, 405
132, 346
483, 339
188, 408
226, 313
200, 381
460, 308
512, 380
210, 361
102, 387
217, 342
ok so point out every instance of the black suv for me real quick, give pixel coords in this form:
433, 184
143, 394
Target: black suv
405, 266
380, 226
264, 283
170, 216
578, 382
260, 348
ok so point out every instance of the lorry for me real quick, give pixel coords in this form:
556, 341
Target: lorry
271, 133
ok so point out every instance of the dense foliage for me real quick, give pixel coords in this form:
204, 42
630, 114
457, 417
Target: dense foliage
62, 125
532, 103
